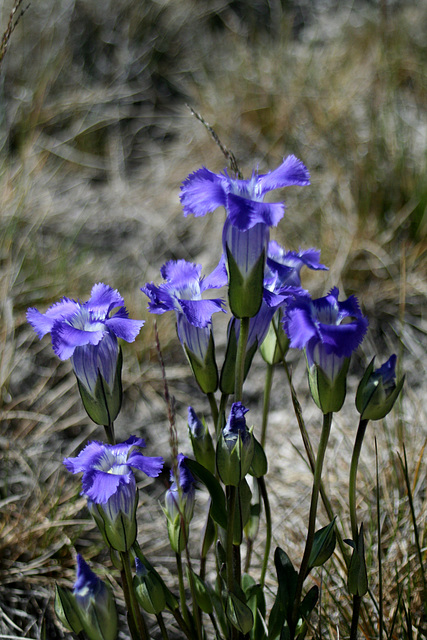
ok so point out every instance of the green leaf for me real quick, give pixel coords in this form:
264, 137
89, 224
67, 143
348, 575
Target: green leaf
218, 506
239, 614
323, 545
282, 609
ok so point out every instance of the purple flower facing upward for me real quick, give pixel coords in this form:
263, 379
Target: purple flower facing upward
109, 484
182, 292
204, 191
108, 477
87, 333
328, 330
247, 226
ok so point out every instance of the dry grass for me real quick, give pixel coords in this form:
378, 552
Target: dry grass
96, 139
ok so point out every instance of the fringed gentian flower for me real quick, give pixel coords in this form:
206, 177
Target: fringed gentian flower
87, 334
246, 229
329, 331
235, 447
109, 484
182, 292
179, 502
90, 607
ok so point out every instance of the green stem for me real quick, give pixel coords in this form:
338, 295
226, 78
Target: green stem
357, 601
312, 462
264, 495
109, 432
326, 429
182, 624
214, 409
162, 627
353, 475
240, 359
231, 499
266, 404
182, 589
137, 626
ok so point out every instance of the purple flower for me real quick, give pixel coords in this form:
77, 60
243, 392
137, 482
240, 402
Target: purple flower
109, 484
182, 292
287, 265
87, 333
246, 230
328, 330
203, 192
236, 425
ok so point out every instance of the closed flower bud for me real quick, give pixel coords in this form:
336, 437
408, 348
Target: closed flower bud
378, 391
201, 441
149, 589
179, 505
235, 447
90, 607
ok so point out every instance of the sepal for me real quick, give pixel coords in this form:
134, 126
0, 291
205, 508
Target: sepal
245, 293
234, 462
65, 610
329, 395
103, 406
206, 372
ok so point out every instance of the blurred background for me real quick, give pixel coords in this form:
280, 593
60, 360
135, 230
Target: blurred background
96, 136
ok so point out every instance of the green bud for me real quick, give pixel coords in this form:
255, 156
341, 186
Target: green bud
149, 589
377, 391
66, 610
276, 343
234, 457
201, 441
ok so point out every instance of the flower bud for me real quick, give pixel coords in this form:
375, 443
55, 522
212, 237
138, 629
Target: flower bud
201, 441
378, 391
90, 607
235, 447
179, 505
149, 589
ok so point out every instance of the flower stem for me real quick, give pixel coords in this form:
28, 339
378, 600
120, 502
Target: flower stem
182, 589
231, 499
109, 432
326, 429
214, 409
266, 404
162, 627
353, 474
240, 359
357, 601
137, 626
264, 495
